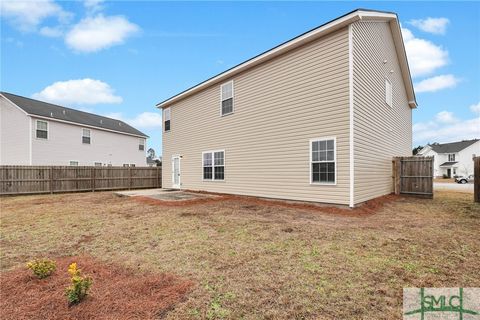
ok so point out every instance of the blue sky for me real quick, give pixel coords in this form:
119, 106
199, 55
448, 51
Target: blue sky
120, 58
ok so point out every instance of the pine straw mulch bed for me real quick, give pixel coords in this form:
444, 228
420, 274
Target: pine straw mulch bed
367, 208
116, 293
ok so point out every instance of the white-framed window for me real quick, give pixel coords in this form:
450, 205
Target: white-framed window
323, 157
226, 92
86, 136
166, 119
451, 157
97, 164
388, 93
73, 163
141, 144
41, 129
213, 163
125, 165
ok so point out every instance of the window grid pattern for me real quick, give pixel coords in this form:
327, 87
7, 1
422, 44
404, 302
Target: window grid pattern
141, 144
86, 136
214, 165
323, 161
227, 98
166, 117
42, 129
451, 157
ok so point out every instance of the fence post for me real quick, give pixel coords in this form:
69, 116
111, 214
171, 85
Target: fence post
51, 180
476, 179
129, 178
92, 176
397, 171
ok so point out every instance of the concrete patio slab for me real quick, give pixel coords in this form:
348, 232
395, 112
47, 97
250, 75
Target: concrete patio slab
164, 194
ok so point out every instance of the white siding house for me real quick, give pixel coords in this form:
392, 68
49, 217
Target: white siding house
317, 118
38, 133
454, 158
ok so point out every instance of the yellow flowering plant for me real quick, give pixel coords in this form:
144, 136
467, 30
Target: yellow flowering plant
42, 268
78, 290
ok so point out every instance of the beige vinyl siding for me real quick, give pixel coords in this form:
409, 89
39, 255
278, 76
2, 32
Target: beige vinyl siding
380, 132
278, 107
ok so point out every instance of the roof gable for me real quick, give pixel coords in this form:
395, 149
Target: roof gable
55, 112
311, 35
452, 147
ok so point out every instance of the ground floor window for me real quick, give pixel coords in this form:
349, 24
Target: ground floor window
323, 161
213, 165
73, 163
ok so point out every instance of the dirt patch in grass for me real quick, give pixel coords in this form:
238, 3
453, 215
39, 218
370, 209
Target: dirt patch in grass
117, 293
256, 204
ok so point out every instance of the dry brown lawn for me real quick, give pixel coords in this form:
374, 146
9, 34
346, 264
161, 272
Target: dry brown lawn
259, 261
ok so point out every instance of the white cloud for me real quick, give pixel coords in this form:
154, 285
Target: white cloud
424, 57
77, 92
93, 6
96, 33
431, 25
445, 128
52, 32
145, 120
437, 83
446, 117
28, 15
475, 108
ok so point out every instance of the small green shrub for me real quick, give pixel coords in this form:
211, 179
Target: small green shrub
78, 290
42, 268
445, 176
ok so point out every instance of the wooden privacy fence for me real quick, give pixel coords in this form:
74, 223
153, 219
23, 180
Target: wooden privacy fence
413, 176
53, 179
476, 179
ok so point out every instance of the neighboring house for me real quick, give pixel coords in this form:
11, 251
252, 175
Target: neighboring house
154, 162
33, 132
452, 159
317, 118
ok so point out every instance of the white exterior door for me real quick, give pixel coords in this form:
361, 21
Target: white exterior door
176, 172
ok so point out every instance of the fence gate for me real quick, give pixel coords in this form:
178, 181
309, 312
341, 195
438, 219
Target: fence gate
413, 176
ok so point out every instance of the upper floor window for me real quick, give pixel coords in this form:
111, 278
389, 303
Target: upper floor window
214, 165
97, 164
73, 163
451, 157
141, 144
42, 129
166, 119
86, 136
388, 93
227, 98
323, 159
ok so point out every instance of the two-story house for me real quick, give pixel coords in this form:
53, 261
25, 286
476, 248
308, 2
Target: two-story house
317, 118
452, 159
33, 132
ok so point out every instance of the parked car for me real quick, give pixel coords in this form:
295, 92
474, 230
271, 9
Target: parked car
464, 179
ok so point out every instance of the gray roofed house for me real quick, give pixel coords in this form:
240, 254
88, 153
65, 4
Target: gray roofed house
34, 132
49, 110
453, 158
452, 146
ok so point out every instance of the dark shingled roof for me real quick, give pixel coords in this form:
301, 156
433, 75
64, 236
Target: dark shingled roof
56, 112
448, 164
452, 147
